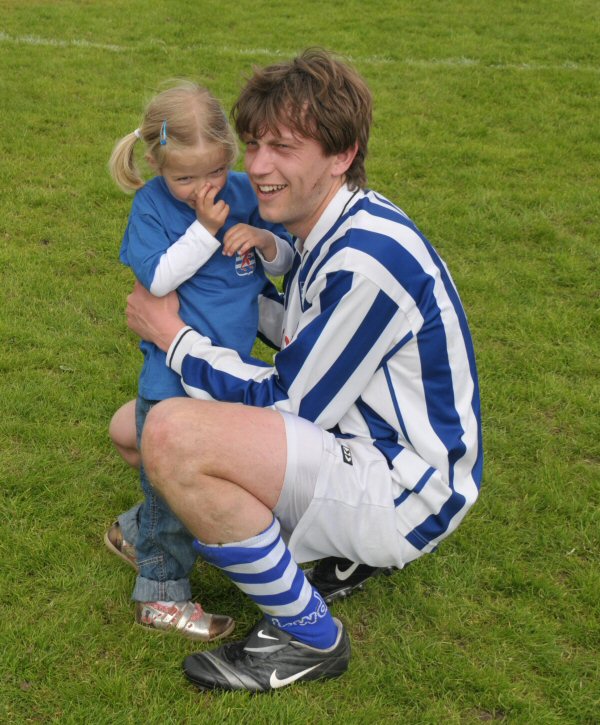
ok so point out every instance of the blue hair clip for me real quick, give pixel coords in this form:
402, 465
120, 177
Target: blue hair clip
163, 133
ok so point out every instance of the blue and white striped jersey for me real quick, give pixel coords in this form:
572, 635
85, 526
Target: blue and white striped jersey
374, 343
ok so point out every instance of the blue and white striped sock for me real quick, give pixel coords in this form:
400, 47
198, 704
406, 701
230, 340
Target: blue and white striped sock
263, 568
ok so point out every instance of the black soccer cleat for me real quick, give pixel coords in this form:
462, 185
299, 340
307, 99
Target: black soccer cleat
266, 660
337, 578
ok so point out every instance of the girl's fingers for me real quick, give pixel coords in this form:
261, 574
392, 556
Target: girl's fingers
206, 196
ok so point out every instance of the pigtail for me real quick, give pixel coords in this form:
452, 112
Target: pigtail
122, 165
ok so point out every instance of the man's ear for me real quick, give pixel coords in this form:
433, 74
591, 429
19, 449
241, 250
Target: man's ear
343, 160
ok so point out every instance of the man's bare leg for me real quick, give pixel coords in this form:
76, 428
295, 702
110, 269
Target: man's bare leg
219, 466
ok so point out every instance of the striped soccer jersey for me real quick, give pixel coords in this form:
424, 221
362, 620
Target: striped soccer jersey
374, 343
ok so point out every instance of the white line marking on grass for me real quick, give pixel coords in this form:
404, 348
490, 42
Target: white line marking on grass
472, 62
371, 59
35, 40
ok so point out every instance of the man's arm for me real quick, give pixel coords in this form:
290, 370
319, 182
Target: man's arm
326, 366
155, 319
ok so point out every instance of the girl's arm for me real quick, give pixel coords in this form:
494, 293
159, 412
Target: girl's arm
282, 262
195, 247
183, 259
276, 253
162, 266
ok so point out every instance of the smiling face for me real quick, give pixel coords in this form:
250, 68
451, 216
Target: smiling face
187, 170
293, 178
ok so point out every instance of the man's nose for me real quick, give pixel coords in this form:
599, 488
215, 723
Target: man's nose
259, 161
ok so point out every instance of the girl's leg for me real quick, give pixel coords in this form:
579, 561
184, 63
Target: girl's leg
122, 431
121, 536
165, 556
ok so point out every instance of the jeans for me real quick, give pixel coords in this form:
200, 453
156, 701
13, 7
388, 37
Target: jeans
163, 545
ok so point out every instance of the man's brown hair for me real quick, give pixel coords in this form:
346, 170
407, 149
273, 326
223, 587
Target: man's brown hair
316, 96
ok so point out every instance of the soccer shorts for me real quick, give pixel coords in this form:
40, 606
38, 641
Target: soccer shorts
337, 499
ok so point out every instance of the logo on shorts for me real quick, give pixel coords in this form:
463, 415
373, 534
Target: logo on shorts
245, 263
346, 455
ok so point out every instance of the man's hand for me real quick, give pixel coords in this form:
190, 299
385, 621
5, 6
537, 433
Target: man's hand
155, 319
212, 216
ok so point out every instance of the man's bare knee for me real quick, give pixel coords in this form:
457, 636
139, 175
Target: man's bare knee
165, 440
199, 448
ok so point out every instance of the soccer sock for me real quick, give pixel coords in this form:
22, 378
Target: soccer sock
264, 569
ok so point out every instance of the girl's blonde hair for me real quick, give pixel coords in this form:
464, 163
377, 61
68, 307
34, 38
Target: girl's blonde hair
180, 117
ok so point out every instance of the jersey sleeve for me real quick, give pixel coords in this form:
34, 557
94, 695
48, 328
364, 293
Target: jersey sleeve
344, 334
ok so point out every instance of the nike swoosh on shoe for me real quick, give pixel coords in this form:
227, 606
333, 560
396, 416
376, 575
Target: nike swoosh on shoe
342, 575
262, 635
275, 682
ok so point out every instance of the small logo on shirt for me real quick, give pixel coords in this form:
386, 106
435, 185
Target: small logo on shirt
346, 455
245, 263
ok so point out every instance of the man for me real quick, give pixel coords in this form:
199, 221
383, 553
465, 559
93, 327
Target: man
363, 440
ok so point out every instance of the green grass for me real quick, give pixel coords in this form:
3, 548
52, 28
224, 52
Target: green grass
486, 133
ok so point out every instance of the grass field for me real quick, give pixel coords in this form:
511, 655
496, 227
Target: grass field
486, 133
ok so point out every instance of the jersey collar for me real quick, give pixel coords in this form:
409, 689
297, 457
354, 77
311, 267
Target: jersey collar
333, 211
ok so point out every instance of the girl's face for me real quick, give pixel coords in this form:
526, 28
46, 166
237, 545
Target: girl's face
187, 171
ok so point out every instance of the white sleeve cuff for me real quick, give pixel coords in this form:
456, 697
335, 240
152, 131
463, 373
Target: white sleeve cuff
283, 258
182, 345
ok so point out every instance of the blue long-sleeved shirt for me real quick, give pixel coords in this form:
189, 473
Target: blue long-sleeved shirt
218, 295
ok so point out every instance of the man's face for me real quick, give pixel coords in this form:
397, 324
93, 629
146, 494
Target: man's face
294, 180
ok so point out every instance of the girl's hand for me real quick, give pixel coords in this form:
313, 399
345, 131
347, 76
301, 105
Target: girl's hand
242, 237
212, 216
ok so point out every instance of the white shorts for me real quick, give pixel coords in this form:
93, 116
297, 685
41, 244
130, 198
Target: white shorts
338, 499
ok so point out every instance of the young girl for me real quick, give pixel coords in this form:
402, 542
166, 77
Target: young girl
193, 228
